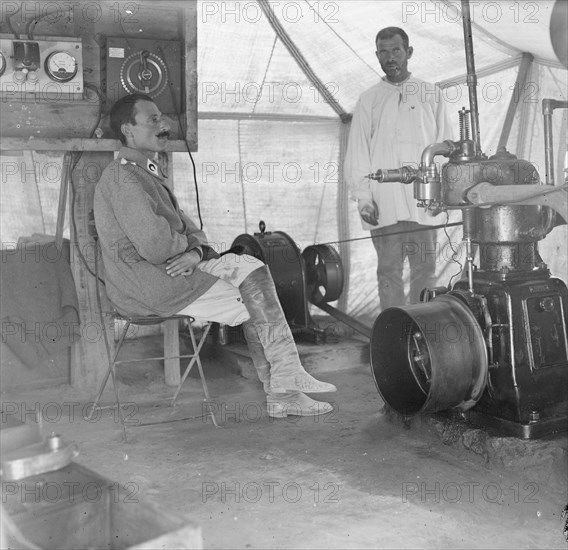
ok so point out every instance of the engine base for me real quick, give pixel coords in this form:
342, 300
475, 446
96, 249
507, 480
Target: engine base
527, 389
530, 430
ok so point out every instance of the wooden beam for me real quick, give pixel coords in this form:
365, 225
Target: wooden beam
89, 361
62, 204
190, 88
72, 144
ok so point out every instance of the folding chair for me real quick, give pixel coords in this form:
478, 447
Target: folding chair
194, 359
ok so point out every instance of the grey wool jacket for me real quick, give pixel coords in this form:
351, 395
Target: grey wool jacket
140, 226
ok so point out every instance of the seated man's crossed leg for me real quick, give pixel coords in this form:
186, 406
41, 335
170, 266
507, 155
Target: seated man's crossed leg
245, 294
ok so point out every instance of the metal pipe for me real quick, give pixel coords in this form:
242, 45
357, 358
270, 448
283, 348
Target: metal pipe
468, 235
548, 106
469, 264
548, 142
471, 76
435, 149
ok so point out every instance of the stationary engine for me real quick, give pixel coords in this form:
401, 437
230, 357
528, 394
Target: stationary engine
316, 274
498, 338
495, 345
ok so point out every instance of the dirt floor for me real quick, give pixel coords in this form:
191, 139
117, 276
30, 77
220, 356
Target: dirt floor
351, 479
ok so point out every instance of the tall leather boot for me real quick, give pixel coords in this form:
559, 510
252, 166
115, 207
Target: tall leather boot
286, 371
283, 404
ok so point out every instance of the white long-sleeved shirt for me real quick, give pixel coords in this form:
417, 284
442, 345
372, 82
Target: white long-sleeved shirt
392, 124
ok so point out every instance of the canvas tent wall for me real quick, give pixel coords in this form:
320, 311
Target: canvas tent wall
276, 80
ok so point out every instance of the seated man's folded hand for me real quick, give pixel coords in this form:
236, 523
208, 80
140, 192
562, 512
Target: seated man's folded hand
183, 264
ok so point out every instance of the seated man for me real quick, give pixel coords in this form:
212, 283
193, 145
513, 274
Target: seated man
157, 262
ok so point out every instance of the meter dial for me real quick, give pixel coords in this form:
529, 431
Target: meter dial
144, 72
61, 66
2, 63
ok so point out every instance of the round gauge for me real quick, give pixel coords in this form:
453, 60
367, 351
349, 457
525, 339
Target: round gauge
61, 66
2, 63
145, 73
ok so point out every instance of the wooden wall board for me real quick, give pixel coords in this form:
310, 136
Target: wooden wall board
191, 80
47, 120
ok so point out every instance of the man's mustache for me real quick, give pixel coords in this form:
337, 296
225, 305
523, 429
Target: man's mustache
164, 133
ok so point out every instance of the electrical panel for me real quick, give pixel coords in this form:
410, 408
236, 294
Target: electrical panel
49, 69
144, 66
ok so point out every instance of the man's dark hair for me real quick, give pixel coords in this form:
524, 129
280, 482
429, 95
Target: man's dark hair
123, 111
391, 32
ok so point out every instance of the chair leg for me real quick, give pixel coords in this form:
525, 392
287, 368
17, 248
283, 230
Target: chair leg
117, 399
202, 375
195, 359
111, 373
198, 358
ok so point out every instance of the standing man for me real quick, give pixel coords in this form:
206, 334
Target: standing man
157, 262
392, 124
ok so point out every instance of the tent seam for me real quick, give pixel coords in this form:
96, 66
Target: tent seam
299, 58
265, 73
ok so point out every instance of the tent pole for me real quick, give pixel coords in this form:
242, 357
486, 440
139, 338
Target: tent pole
524, 69
343, 213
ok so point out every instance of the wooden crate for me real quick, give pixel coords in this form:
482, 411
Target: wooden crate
75, 508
